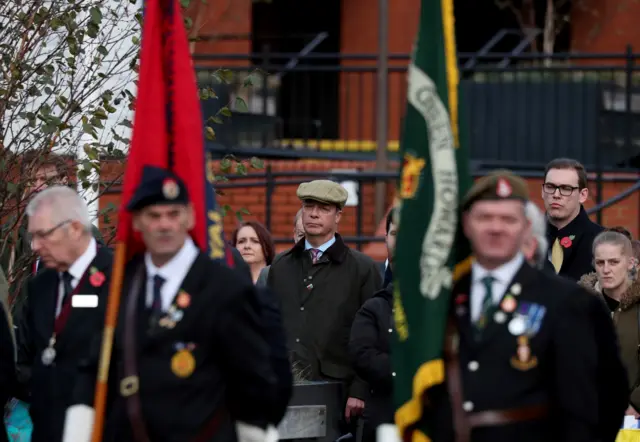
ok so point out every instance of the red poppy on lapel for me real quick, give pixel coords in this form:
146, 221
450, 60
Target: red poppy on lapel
461, 299
566, 242
97, 278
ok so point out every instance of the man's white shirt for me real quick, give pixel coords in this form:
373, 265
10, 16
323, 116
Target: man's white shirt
502, 275
173, 273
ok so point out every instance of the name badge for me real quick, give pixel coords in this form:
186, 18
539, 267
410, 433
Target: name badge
84, 301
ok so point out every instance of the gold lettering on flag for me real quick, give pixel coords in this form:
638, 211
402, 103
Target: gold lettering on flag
216, 243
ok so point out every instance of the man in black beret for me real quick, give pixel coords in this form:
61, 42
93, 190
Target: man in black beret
521, 355
190, 357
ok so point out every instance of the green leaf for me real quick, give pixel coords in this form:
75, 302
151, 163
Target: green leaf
241, 106
225, 209
216, 120
188, 23
256, 163
226, 75
96, 15
185, 3
225, 165
135, 40
241, 169
225, 111
102, 50
210, 133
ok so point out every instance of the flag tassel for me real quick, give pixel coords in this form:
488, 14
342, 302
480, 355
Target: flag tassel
111, 319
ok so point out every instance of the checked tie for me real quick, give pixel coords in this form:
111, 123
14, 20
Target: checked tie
487, 302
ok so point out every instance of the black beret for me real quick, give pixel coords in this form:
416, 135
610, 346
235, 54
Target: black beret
158, 186
498, 185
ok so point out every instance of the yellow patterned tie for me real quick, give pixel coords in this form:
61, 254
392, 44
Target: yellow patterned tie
557, 255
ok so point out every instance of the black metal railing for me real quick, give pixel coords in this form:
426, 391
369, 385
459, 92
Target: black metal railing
531, 109
270, 180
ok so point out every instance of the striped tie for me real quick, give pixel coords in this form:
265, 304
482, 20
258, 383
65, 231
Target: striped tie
315, 254
487, 302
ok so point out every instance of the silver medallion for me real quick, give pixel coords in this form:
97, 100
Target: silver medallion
517, 326
48, 356
500, 317
177, 315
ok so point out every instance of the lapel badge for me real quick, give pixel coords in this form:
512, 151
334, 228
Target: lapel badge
177, 315
461, 298
517, 325
183, 300
508, 304
523, 360
170, 189
461, 310
166, 322
183, 363
516, 289
500, 317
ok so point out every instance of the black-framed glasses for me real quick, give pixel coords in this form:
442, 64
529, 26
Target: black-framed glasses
565, 190
44, 234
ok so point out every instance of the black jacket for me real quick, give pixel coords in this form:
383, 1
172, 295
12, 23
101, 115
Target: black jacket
369, 348
580, 233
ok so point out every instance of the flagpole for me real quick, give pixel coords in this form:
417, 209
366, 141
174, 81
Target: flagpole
113, 306
381, 108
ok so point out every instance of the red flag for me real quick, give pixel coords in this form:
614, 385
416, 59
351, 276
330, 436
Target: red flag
167, 127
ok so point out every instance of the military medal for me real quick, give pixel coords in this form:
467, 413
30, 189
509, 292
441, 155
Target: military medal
49, 353
183, 363
516, 289
177, 315
517, 326
523, 360
500, 317
508, 304
166, 322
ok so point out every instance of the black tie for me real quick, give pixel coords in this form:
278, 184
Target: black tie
66, 284
156, 307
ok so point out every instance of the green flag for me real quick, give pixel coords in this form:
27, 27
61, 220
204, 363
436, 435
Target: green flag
431, 250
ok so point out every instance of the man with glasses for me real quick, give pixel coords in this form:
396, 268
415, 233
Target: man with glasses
65, 306
570, 232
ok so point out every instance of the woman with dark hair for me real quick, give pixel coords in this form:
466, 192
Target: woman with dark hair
256, 246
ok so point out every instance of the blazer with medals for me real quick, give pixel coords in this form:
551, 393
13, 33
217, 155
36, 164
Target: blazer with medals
537, 350
202, 365
50, 387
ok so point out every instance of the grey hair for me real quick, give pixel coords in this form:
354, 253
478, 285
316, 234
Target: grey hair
297, 217
65, 204
538, 230
615, 238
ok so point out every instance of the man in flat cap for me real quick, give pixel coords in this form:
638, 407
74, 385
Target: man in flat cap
520, 354
322, 283
190, 357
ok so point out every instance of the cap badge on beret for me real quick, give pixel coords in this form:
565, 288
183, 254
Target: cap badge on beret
503, 188
170, 189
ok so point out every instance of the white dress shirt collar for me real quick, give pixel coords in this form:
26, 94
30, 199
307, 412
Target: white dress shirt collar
173, 272
80, 265
77, 270
502, 275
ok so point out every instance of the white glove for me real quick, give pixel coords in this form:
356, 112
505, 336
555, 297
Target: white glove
385, 433
78, 424
251, 433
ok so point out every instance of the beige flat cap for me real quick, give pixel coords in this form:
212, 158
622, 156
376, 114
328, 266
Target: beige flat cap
325, 191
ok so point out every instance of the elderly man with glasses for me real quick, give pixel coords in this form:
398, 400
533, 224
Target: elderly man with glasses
65, 306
